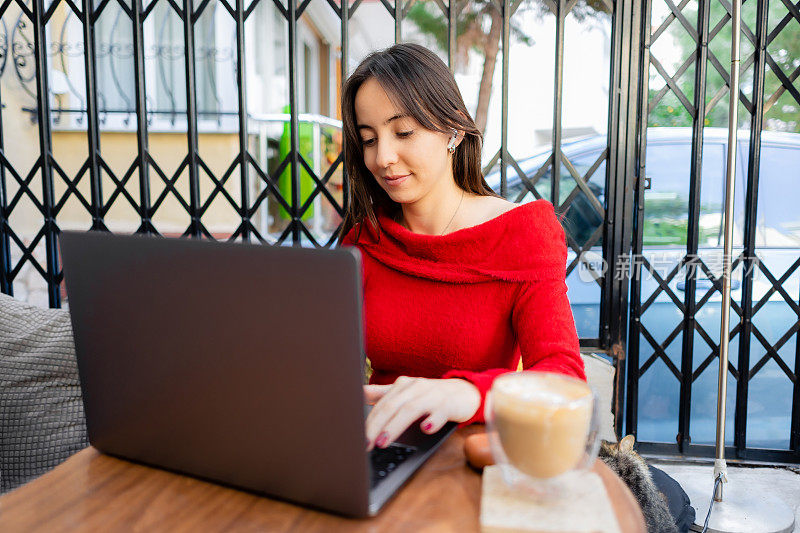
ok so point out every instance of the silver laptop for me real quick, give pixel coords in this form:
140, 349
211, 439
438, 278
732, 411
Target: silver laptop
236, 363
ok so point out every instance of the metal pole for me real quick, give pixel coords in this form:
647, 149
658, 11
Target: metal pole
92, 119
40, 47
6, 286
720, 468
635, 123
555, 173
195, 228
294, 124
244, 133
451, 35
142, 137
505, 12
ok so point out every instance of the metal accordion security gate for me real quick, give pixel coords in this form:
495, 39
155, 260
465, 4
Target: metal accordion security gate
177, 77
673, 338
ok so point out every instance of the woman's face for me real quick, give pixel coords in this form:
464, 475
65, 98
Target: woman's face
408, 161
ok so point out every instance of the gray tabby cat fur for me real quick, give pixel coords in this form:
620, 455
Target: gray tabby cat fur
632, 469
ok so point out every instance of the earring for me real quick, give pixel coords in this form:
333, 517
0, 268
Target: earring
451, 147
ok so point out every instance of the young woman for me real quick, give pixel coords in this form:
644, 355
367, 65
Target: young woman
459, 284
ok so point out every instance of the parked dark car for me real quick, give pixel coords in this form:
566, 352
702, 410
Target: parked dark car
667, 165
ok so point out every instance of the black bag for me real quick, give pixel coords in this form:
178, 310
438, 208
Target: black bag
678, 502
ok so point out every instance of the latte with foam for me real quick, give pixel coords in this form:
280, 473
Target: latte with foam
542, 421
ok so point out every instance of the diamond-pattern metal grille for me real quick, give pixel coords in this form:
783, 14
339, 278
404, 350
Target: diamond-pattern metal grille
248, 185
188, 189
159, 190
692, 88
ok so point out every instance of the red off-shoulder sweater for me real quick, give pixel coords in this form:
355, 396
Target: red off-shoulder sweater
470, 303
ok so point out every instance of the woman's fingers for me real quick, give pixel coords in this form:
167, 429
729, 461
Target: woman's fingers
423, 398
433, 422
412, 411
410, 399
392, 401
380, 415
373, 393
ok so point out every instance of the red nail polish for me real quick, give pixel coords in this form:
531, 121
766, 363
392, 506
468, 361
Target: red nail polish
427, 426
382, 440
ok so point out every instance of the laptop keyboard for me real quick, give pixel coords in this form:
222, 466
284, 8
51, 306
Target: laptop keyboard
384, 460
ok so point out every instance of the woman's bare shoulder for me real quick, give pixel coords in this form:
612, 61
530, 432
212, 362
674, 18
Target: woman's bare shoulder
494, 206
482, 209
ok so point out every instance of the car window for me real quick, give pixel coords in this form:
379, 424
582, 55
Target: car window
583, 163
666, 202
582, 217
517, 190
778, 218
712, 195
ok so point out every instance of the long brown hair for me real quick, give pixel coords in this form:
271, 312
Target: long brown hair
421, 85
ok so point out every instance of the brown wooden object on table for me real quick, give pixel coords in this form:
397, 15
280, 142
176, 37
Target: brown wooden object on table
94, 492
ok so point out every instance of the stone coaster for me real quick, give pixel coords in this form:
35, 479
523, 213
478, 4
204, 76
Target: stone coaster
585, 507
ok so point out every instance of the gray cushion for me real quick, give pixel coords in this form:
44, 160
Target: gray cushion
41, 410
600, 375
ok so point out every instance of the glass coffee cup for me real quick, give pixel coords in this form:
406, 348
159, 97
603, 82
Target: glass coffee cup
543, 429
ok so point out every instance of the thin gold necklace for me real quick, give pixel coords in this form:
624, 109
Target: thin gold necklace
454, 213
402, 219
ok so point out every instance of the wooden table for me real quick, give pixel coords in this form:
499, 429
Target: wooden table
95, 492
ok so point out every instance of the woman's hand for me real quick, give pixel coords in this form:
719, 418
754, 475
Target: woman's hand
397, 406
